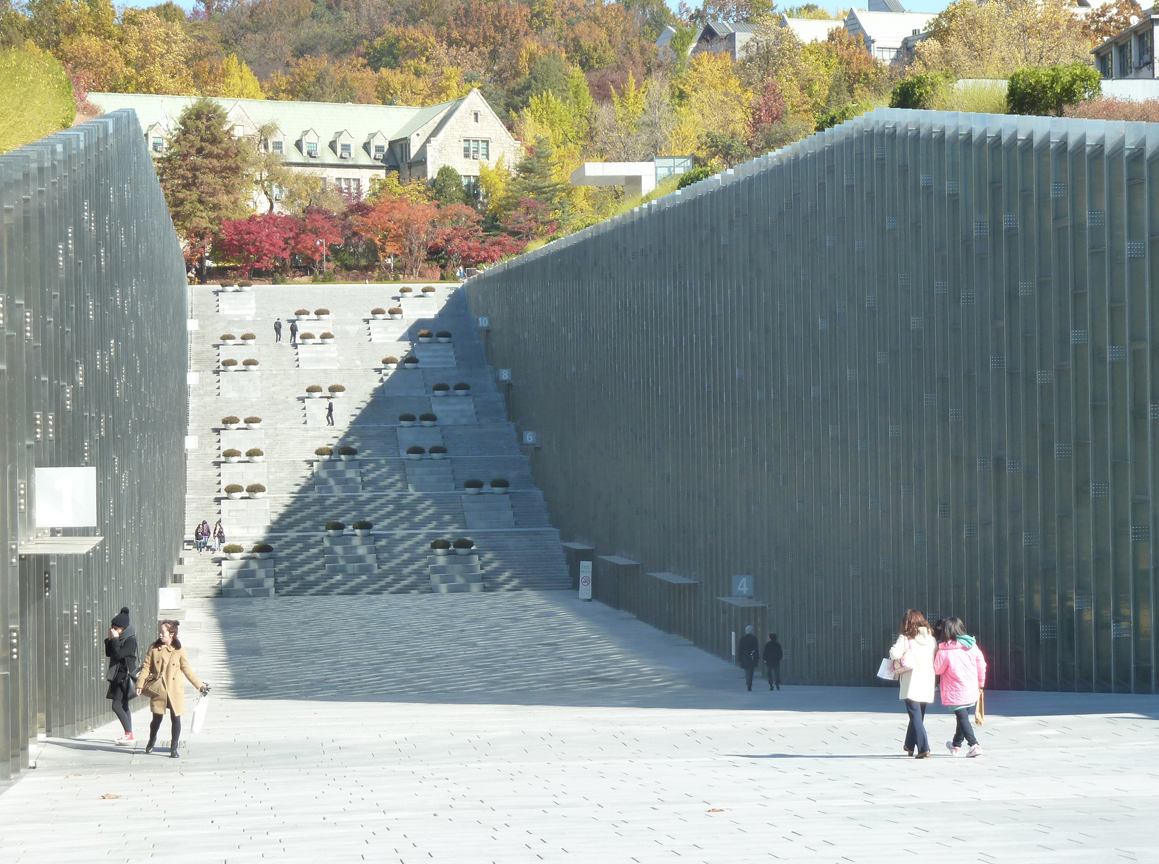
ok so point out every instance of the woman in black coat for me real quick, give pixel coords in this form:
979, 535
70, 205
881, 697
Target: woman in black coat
121, 649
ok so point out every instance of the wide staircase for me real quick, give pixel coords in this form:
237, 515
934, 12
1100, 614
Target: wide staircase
409, 501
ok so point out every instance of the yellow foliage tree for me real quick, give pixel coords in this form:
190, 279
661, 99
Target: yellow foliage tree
493, 182
710, 98
155, 53
228, 77
35, 96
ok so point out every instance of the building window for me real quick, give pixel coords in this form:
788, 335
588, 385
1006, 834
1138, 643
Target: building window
312, 149
471, 185
351, 187
404, 151
158, 145
344, 151
239, 130
1124, 60
279, 193
278, 147
1105, 65
475, 148
476, 116
1146, 47
379, 152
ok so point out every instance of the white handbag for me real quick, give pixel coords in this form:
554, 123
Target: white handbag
199, 712
885, 670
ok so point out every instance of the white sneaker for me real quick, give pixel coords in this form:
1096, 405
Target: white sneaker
976, 750
953, 750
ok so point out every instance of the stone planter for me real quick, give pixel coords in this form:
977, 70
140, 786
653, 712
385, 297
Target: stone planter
427, 293
425, 339
333, 533
245, 287
406, 423
377, 317
438, 392
263, 556
230, 459
395, 317
464, 551
322, 458
346, 457
229, 290
249, 341
228, 341
325, 317
228, 368
257, 458
362, 532
231, 425
314, 395
327, 341
428, 423
499, 490
251, 368
253, 425
258, 494
389, 367
234, 556
461, 392
471, 490
438, 455
443, 339
337, 394
415, 457
441, 552
410, 365
233, 496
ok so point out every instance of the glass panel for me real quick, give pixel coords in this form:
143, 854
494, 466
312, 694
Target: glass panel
466, 149
484, 147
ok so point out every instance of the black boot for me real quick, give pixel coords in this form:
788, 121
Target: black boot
154, 725
176, 729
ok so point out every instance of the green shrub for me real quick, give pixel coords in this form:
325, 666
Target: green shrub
500, 483
440, 544
473, 484
324, 451
335, 526
233, 549
694, 176
925, 91
845, 113
347, 451
262, 547
234, 489
1047, 92
363, 525
463, 543
255, 488
35, 97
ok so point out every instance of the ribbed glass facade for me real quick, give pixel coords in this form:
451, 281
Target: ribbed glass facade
93, 309
910, 361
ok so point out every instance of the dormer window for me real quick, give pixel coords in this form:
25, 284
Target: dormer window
379, 152
312, 149
344, 151
239, 130
278, 147
158, 145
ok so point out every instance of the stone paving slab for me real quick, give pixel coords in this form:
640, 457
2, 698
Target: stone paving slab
534, 727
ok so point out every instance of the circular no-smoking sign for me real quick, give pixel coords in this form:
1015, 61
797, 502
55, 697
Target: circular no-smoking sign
585, 580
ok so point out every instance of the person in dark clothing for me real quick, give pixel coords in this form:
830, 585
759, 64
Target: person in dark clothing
329, 412
121, 649
748, 654
773, 655
293, 334
278, 330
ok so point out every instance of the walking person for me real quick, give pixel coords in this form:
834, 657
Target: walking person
277, 331
748, 654
329, 412
121, 649
773, 655
963, 671
294, 334
915, 647
205, 534
218, 536
161, 678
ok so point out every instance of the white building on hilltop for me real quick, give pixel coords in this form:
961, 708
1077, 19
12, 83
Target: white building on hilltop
348, 145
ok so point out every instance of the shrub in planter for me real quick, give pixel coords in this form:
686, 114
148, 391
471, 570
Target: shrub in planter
462, 388
425, 335
321, 312
250, 363
231, 455
256, 490
443, 335
229, 422
228, 338
347, 453
499, 486
262, 549
406, 419
394, 312
225, 284
463, 546
362, 527
253, 421
302, 313
234, 490
440, 547
377, 313
232, 549
335, 527
473, 487
255, 455
428, 419
326, 336
428, 289
324, 452
229, 364
406, 289
306, 337
249, 337
438, 451
336, 389
389, 362
315, 390
410, 360
441, 389
415, 452
245, 283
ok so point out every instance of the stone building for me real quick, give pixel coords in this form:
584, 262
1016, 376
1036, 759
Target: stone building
348, 145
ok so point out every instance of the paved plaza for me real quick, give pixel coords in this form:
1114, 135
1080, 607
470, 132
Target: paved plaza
529, 727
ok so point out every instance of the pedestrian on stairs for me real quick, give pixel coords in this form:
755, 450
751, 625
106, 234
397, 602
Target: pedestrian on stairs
748, 654
329, 412
278, 331
218, 536
161, 676
773, 655
293, 334
121, 649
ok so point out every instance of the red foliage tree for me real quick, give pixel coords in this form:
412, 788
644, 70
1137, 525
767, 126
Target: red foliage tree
530, 218
403, 228
766, 110
257, 242
317, 226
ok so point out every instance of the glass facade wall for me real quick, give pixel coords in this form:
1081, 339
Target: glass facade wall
912, 361
93, 309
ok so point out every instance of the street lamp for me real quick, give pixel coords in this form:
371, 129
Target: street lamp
322, 243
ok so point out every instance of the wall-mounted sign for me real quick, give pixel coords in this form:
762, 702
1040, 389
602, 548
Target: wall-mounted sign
484, 322
505, 375
530, 439
585, 580
742, 586
66, 497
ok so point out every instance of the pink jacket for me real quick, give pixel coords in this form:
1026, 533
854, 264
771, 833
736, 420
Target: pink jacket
963, 672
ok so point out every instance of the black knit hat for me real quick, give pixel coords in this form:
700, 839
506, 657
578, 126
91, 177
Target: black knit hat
122, 618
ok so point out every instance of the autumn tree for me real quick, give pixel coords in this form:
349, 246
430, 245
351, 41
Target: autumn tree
256, 242
202, 174
401, 228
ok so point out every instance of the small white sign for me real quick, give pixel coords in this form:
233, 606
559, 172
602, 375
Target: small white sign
66, 497
484, 322
531, 439
505, 375
585, 586
742, 586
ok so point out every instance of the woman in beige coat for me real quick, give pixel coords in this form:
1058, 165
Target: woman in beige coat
917, 684
163, 667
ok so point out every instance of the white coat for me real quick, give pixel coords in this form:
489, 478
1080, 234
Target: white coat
917, 684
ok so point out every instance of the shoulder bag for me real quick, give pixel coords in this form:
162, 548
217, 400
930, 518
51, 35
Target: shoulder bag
905, 663
980, 709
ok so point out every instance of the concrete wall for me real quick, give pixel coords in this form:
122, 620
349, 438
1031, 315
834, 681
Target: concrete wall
911, 361
92, 372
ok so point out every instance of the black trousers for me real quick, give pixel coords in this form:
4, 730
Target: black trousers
915, 735
965, 729
278, 335
120, 698
748, 676
773, 670
174, 727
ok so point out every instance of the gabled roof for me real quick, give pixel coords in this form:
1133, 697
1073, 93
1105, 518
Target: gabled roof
724, 28
423, 116
886, 29
811, 29
1145, 22
885, 6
